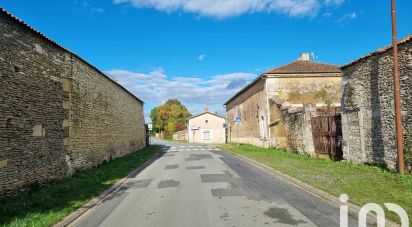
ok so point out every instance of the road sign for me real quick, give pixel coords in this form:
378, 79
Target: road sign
238, 120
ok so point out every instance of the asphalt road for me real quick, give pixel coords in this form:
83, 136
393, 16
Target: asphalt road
196, 185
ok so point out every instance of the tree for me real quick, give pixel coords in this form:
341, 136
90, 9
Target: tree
169, 117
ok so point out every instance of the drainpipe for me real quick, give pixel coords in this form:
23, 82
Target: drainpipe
268, 111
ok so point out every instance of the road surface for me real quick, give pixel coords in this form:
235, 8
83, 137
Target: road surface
198, 185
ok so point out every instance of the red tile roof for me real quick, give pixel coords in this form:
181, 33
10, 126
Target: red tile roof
305, 67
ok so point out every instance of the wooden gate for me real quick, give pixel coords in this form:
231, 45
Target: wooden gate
327, 134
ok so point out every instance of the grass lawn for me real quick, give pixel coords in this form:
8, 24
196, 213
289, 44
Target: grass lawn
363, 184
45, 206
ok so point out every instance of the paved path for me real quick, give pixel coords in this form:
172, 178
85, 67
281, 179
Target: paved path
197, 185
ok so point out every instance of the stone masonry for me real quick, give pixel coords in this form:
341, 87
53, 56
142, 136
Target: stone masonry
58, 113
368, 105
299, 82
298, 124
251, 106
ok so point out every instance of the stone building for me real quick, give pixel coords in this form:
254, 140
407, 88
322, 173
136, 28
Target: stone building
289, 87
181, 135
207, 127
368, 105
58, 113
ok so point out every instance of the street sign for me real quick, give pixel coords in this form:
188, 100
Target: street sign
238, 120
150, 126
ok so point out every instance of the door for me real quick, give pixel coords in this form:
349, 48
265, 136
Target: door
327, 134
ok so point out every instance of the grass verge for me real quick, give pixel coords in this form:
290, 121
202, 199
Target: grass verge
45, 206
363, 184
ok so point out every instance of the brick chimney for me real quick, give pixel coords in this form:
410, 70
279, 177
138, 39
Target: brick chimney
304, 57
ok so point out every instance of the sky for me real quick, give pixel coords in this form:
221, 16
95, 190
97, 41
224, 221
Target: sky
203, 51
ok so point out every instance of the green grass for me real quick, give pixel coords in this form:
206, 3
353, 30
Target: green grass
363, 184
45, 206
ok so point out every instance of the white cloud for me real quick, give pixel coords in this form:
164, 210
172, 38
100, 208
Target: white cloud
347, 17
155, 87
201, 57
230, 8
334, 2
87, 5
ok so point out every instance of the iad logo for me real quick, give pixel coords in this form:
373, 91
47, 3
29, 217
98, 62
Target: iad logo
376, 208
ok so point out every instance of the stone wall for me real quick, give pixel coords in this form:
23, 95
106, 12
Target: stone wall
306, 88
251, 106
368, 106
58, 114
323, 89
299, 129
180, 135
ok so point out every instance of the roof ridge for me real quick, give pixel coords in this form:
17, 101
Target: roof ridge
206, 112
282, 66
301, 66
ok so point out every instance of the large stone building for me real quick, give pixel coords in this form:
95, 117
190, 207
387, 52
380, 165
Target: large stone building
291, 86
368, 106
58, 113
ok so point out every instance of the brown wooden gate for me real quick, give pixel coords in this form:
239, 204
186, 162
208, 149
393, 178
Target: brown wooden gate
327, 134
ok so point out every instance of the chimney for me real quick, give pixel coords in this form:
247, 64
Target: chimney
304, 57
206, 109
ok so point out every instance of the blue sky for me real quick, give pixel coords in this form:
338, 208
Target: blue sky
203, 51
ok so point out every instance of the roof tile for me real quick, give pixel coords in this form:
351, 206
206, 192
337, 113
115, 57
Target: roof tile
300, 66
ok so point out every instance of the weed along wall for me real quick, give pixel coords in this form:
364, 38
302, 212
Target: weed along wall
58, 113
368, 114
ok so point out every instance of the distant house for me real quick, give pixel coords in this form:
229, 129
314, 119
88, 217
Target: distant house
207, 127
260, 103
180, 135
368, 120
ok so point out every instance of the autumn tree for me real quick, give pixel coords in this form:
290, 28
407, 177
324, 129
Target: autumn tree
169, 117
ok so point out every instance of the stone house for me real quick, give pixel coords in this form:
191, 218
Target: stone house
289, 87
207, 127
368, 106
58, 113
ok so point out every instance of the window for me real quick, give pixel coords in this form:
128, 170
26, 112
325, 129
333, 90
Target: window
206, 134
206, 121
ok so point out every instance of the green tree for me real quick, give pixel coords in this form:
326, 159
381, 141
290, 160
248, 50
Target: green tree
169, 117
153, 117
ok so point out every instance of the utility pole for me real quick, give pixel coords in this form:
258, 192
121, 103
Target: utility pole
397, 92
